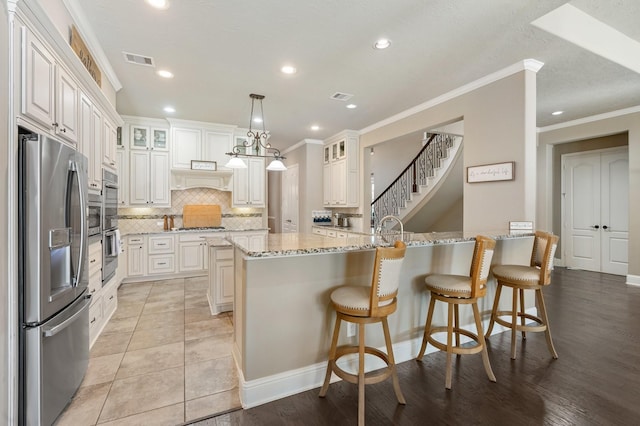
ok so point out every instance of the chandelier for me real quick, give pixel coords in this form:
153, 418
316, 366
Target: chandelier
255, 145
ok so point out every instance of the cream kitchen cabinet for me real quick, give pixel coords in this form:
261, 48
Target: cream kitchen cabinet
249, 185
221, 279
122, 162
94, 267
341, 171
192, 253
149, 179
200, 141
148, 138
136, 256
253, 240
91, 140
50, 94
161, 254
109, 142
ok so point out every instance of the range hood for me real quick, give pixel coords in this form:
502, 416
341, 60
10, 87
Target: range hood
187, 179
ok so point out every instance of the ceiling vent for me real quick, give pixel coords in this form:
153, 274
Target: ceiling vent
339, 96
132, 58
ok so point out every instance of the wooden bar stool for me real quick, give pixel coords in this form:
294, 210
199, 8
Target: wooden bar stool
521, 278
457, 290
367, 305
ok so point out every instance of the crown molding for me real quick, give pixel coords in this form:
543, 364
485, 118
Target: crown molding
88, 36
525, 65
590, 119
303, 142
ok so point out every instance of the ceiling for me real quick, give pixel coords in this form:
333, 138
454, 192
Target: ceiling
220, 51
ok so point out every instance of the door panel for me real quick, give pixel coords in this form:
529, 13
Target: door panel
615, 213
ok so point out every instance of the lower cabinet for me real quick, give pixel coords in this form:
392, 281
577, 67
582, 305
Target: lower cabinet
103, 304
221, 279
161, 250
192, 253
136, 249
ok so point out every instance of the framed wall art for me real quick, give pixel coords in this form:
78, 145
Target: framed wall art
491, 172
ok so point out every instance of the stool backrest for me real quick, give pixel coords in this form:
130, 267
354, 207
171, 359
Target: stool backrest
386, 275
544, 249
481, 264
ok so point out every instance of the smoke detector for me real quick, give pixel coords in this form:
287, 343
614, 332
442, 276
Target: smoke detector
339, 96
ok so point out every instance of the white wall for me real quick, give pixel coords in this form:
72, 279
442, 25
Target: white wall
499, 125
586, 129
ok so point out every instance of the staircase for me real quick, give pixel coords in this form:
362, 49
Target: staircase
419, 179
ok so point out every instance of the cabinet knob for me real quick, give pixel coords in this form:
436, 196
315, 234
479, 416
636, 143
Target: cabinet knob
63, 130
54, 124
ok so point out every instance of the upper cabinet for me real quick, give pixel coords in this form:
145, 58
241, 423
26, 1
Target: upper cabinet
199, 141
148, 138
341, 170
50, 94
249, 185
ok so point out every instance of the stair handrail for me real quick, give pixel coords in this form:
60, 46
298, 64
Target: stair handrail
403, 181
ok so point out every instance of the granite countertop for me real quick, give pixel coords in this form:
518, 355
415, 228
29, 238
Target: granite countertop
203, 231
217, 242
295, 244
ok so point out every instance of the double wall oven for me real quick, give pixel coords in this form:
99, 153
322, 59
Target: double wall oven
109, 225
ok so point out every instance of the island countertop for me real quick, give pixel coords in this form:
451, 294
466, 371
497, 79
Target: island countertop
294, 244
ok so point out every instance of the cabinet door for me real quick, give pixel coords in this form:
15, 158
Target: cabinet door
135, 260
66, 106
257, 177
338, 182
191, 256
326, 184
123, 177
139, 137
240, 187
109, 145
38, 87
224, 281
85, 139
96, 148
257, 242
186, 145
160, 139
215, 147
159, 178
139, 178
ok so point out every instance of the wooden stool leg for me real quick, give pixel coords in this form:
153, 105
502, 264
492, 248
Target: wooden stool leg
449, 345
361, 374
522, 310
392, 362
427, 327
514, 321
545, 319
332, 357
456, 326
485, 355
496, 301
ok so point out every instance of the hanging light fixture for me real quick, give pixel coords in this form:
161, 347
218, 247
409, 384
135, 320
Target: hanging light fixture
256, 144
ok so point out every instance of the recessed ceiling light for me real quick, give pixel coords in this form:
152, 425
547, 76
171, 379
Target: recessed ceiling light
257, 120
557, 112
159, 4
165, 74
383, 43
352, 106
288, 69
169, 109
315, 128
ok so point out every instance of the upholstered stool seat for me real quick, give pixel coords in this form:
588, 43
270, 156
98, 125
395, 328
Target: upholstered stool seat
366, 305
455, 290
519, 278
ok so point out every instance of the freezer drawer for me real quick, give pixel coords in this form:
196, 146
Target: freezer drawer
56, 357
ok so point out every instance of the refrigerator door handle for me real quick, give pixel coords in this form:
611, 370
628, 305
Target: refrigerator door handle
73, 167
52, 331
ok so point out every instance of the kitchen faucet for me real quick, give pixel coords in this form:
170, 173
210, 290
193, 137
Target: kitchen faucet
384, 219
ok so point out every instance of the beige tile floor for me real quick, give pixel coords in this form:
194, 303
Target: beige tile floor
162, 359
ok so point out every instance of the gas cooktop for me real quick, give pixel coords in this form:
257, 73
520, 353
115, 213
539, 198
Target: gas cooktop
201, 228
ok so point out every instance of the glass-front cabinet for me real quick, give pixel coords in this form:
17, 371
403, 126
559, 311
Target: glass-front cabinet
149, 138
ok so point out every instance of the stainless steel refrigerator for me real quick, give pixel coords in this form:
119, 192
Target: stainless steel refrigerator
53, 278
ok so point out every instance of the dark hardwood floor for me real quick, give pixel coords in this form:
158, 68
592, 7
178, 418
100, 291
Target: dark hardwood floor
595, 324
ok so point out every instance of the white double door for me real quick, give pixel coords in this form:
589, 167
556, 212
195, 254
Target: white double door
596, 211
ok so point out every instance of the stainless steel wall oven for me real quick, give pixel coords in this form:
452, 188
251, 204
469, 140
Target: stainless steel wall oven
109, 225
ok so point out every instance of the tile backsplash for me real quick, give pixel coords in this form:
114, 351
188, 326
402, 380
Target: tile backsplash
147, 219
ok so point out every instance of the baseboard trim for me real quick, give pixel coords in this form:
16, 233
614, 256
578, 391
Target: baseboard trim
633, 280
281, 385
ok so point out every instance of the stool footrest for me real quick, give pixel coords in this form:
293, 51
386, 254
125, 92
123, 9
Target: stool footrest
540, 325
455, 349
370, 377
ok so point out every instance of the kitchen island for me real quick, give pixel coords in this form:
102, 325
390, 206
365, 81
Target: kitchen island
282, 318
